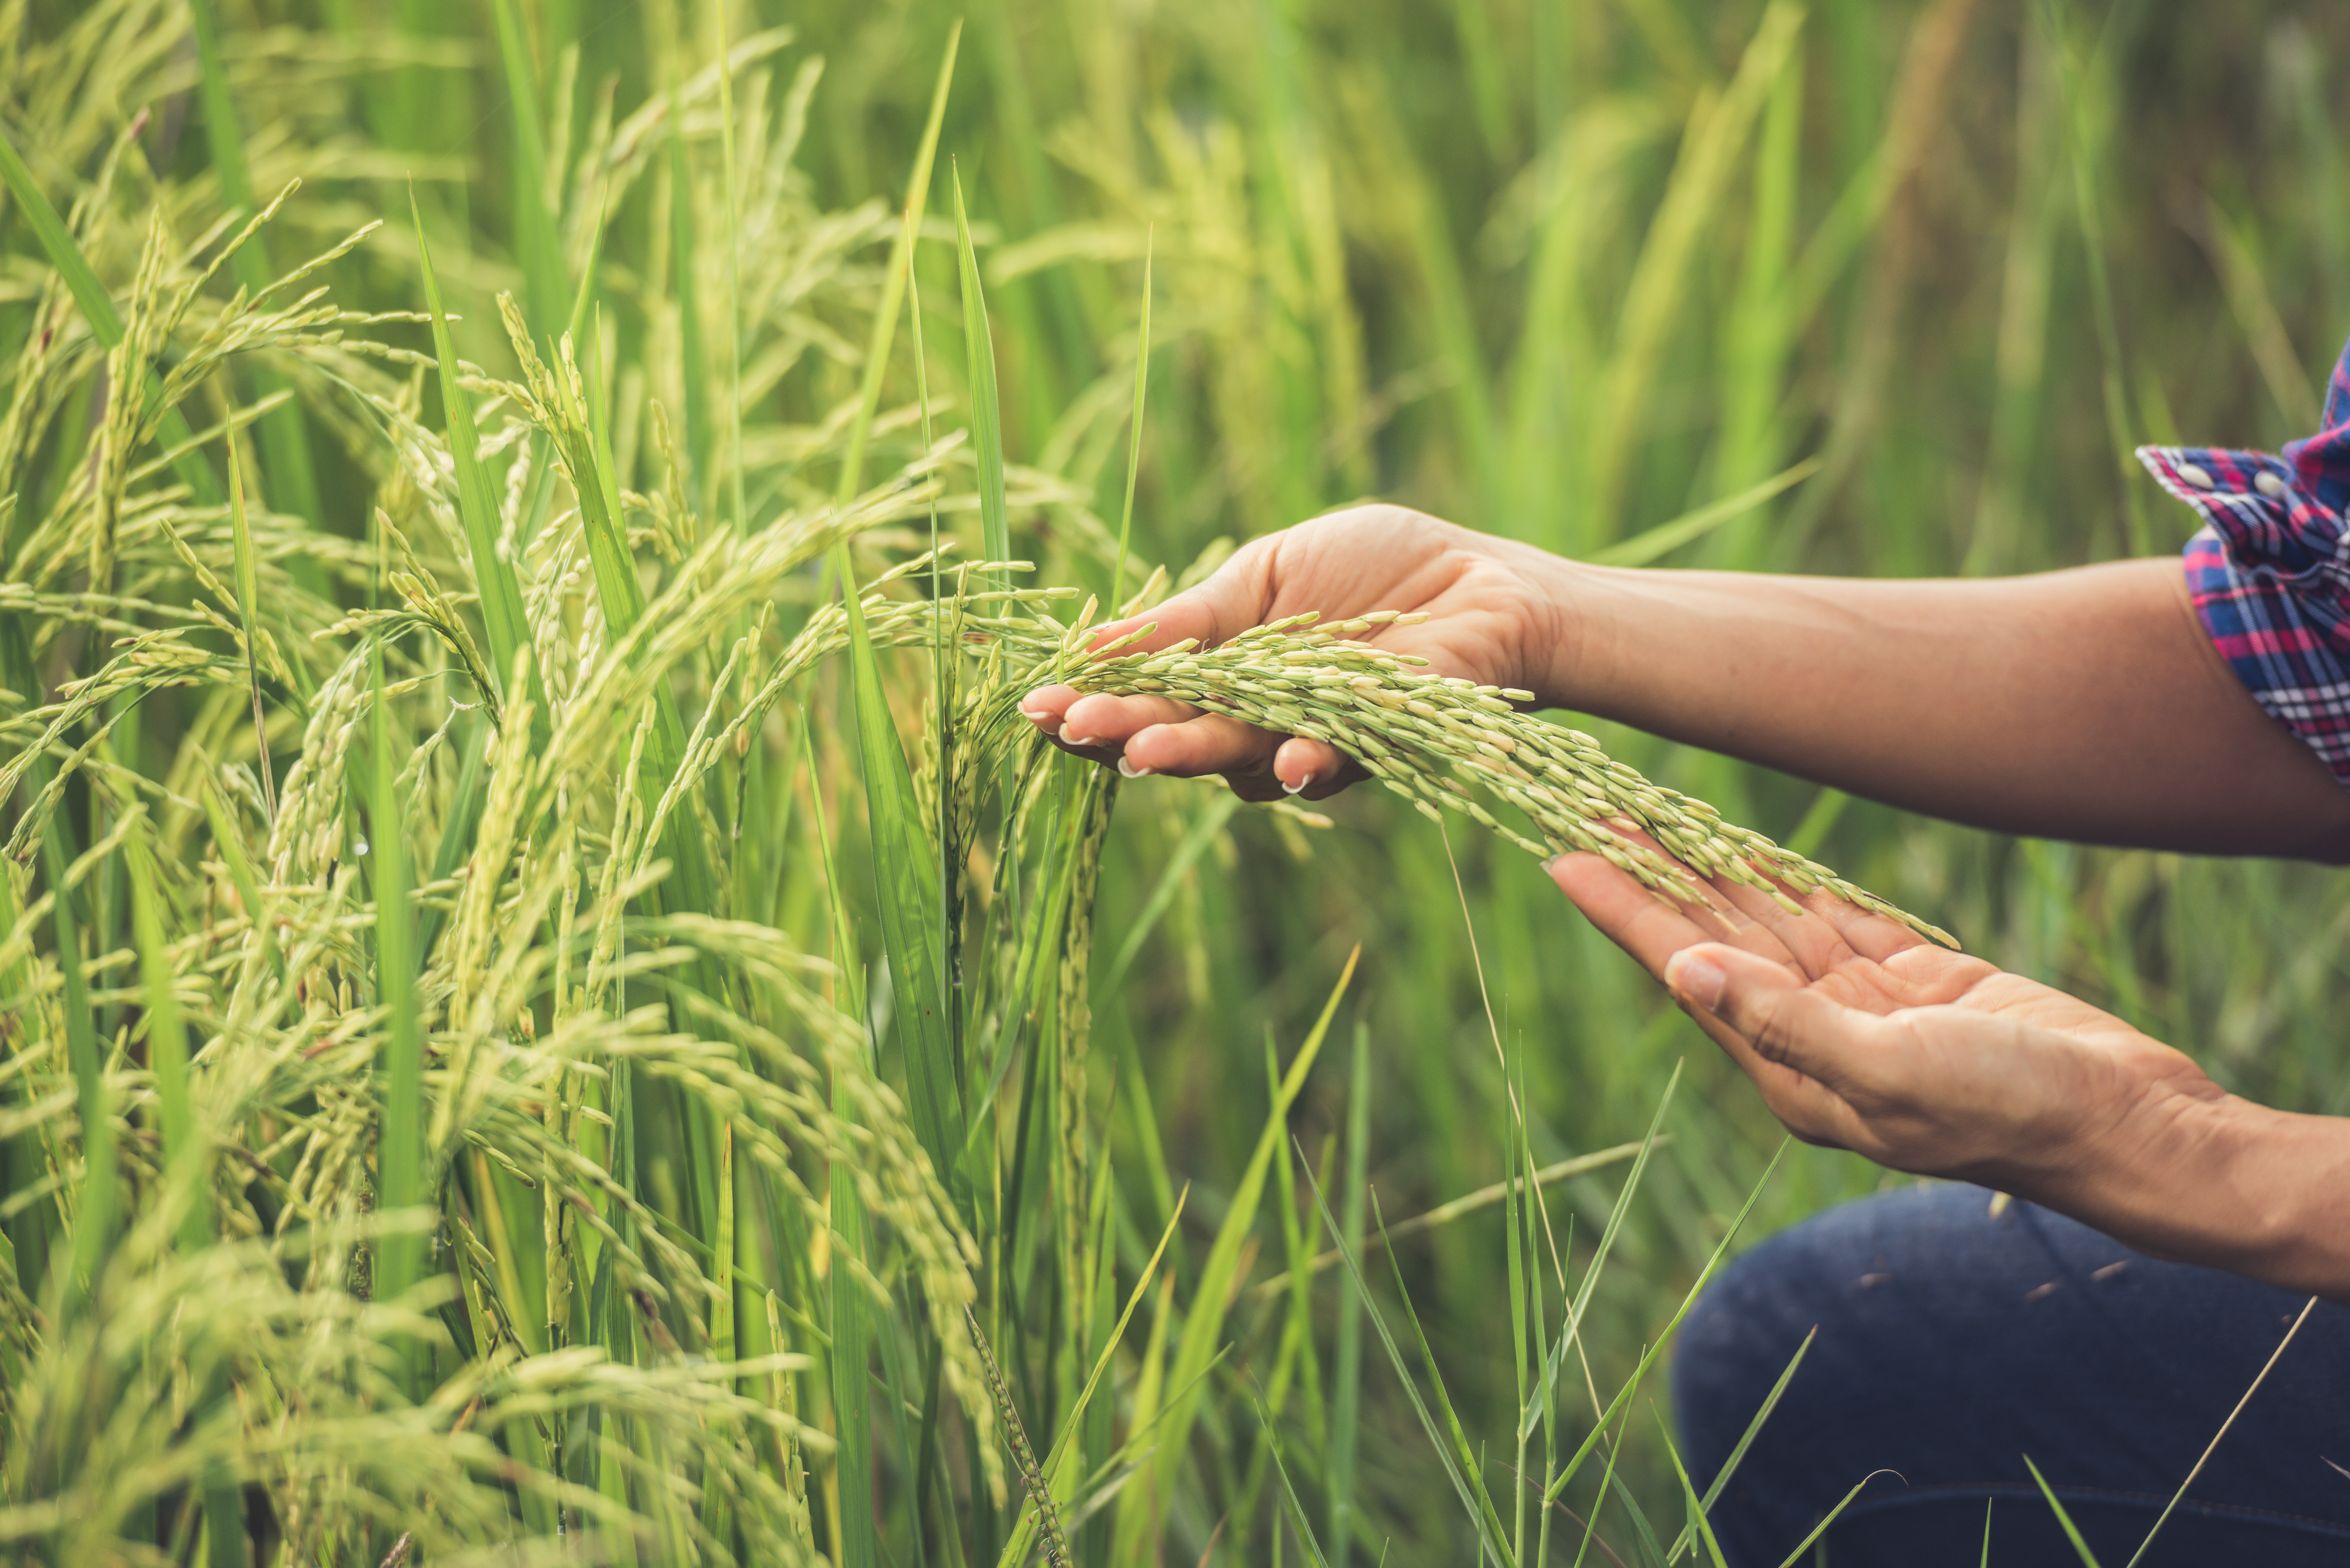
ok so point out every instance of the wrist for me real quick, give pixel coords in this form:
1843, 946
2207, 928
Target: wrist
1566, 657
2226, 1183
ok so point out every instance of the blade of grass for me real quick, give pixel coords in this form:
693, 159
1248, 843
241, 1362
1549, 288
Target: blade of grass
854, 1540
1688, 1490
477, 508
1573, 1326
401, 1182
1346, 1363
1060, 1463
1134, 439
1489, 1517
1745, 1440
852, 1411
94, 1224
942, 702
692, 359
1211, 821
98, 310
885, 319
2064, 1520
1211, 1296
1665, 537
908, 895
1296, 1509
1482, 1199
987, 414
167, 1048
1471, 1497
248, 599
1793, 1558
716, 1513
911, 909
734, 283
535, 242
1721, 1251
285, 431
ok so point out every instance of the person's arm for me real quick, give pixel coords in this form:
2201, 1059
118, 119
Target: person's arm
2085, 704
1862, 1036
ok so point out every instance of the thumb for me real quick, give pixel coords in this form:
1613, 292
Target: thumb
1235, 598
1785, 1019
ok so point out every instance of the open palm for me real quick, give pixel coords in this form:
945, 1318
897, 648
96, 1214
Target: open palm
1493, 616
1864, 1036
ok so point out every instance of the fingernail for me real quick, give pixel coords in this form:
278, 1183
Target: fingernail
1698, 981
1069, 740
1130, 771
1038, 712
1300, 785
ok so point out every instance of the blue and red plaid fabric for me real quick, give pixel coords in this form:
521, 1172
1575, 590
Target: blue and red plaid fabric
2270, 573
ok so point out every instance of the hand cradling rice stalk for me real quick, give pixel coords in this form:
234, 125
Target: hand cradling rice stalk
505, 1039
1422, 734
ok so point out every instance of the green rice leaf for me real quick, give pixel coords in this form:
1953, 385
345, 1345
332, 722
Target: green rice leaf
167, 1047
1746, 1440
1204, 1330
1346, 1375
1648, 1358
98, 309
893, 282
1134, 439
1688, 1490
94, 1224
2064, 1520
1796, 1556
986, 411
477, 506
535, 245
907, 890
852, 1410
402, 1183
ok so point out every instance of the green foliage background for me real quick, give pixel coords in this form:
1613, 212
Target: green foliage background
1561, 269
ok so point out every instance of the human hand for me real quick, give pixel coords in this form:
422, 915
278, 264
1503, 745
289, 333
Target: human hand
1862, 1035
1494, 612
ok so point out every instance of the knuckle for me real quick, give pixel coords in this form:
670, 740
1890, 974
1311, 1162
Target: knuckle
1771, 1024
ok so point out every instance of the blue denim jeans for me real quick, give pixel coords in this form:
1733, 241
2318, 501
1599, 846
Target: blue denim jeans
1952, 1342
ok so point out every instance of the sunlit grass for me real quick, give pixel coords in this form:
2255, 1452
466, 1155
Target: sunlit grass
559, 1021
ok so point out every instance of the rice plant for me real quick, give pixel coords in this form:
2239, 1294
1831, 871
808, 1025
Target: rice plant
552, 1008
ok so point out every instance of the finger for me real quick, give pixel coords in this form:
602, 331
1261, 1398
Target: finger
1812, 940
1646, 923
1108, 722
1313, 769
1210, 744
1047, 708
1643, 923
1728, 992
1236, 597
1785, 1020
1827, 929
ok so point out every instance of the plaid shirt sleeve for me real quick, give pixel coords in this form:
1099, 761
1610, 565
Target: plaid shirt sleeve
2270, 570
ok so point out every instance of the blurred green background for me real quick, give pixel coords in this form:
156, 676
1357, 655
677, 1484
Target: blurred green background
1560, 269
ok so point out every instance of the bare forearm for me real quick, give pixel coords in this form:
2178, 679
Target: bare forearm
2085, 704
2225, 1183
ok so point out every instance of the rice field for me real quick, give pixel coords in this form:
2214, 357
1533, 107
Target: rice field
552, 1010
